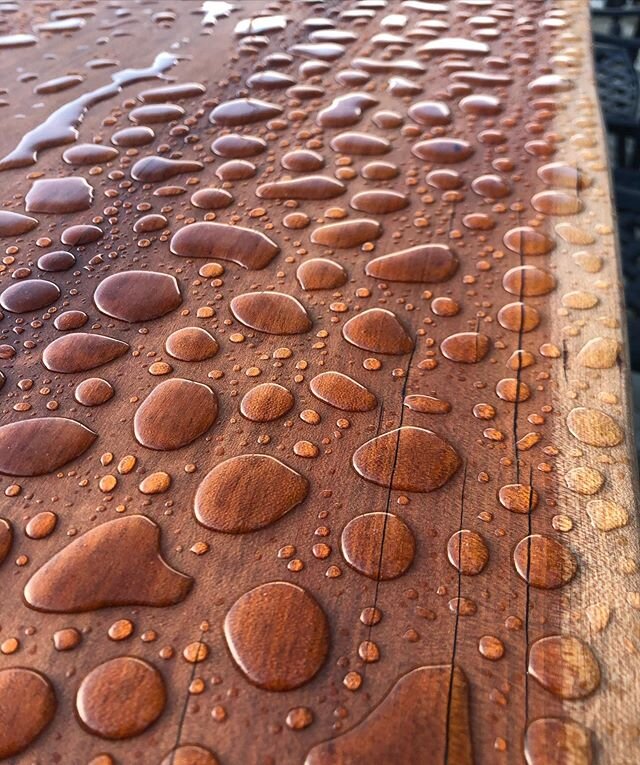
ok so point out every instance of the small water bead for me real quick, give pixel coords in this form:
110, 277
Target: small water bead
369, 652
557, 741
565, 666
154, 483
518, 497
468, 552
379, 545
299, 718
543, 562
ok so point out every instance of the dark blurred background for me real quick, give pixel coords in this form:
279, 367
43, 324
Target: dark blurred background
616, 42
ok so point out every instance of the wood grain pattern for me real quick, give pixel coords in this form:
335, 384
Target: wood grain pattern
315, 440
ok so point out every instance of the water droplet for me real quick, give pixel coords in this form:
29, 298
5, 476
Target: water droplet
249, 249
136, 296
82, 351
59, 195
272, 312
426, 710
543, 562
307, 187
278, 636
191, 344
117, 563
466, 347
267, 402
29, 296
175, 414
347, 234
41, 445
321, 274
468, 552
593, 427
407, 459
248, 492
27, 706
342, 392
557, 741
121, 698
378, 545
565, 666
424, 264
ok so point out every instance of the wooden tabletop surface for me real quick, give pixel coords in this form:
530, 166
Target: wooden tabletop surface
315, 444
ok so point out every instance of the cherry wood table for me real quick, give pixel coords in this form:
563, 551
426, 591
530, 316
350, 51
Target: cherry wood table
315, 444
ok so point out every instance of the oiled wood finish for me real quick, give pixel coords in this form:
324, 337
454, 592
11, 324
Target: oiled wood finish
315, 444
